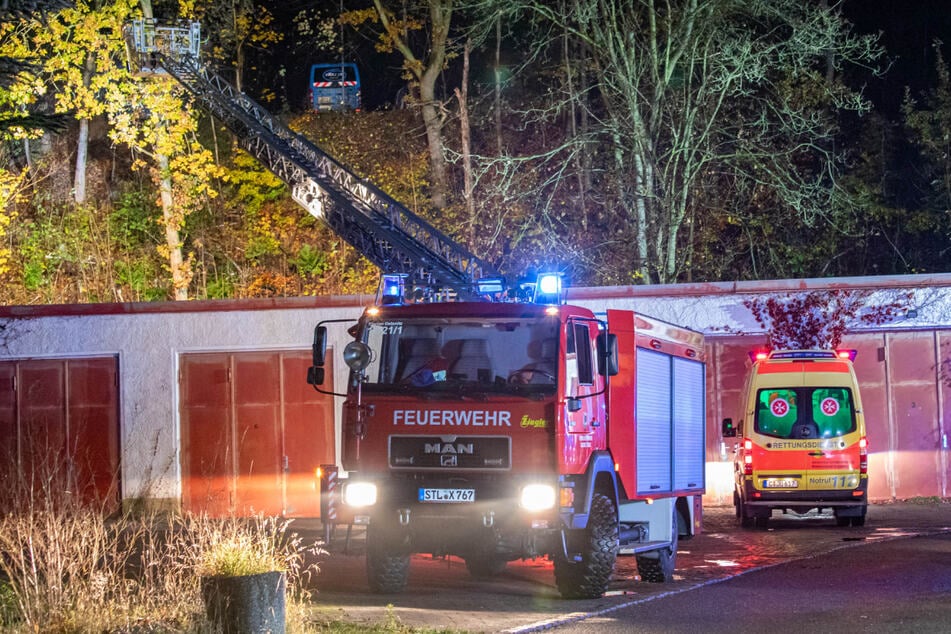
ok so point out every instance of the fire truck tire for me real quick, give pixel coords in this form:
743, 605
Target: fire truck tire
387, 564
485, 566
598, 547
658, 566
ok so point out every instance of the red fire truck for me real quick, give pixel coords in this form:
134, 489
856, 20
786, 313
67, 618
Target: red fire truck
497, 431
488, 428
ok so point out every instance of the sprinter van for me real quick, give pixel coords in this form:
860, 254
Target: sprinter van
803, 443
335, 87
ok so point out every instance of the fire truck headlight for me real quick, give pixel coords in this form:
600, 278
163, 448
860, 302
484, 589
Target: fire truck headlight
538, 497
359, 494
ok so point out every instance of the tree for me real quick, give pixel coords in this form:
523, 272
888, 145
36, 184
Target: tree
236, 27
423, 68
693, 88
10, 191
929, 124
15, 60
817, 320
80, 47
154, 119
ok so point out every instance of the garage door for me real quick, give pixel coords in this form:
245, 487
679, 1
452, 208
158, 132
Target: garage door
253, 434
59, 430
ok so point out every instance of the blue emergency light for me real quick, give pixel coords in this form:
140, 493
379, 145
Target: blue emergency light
549, 289
392, 289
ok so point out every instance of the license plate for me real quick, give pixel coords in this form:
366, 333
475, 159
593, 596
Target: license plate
447, 495
780, 483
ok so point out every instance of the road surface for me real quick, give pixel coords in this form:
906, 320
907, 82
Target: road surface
441, 594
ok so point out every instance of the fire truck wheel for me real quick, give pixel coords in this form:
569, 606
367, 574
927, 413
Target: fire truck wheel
658, 566
597, 546
485, 566
387, 563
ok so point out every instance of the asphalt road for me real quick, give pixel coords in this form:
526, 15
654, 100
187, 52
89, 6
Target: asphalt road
894, 586
442, 595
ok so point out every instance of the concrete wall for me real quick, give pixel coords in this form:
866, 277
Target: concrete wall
906, 385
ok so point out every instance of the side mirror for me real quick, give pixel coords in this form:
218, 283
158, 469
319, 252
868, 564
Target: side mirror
320, 345
607, 354
315, 375
729, 431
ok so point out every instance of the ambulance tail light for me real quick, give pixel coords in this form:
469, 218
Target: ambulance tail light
747, 457
863, 455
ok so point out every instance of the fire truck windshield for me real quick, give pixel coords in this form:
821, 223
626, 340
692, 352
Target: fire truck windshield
446, 353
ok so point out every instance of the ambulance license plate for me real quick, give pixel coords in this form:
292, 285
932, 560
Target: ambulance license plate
780, 483
447, 495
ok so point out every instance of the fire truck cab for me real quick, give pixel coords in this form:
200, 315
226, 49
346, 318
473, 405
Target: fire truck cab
803, 438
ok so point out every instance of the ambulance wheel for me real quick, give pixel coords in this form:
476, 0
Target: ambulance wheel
842, 521
858, 520
761, 521
485, 566
587, 575
742, 514
387, 561
658, 566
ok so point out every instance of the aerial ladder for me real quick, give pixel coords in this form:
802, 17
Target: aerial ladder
387, 233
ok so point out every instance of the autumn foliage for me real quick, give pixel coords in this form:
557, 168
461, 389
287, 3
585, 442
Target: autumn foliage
819, 319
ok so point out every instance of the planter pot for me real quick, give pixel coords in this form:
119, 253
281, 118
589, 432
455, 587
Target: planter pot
250, 604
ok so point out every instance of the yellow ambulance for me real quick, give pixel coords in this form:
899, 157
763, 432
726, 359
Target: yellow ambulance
803, 437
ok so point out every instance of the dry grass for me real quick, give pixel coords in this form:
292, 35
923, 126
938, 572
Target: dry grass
68, 567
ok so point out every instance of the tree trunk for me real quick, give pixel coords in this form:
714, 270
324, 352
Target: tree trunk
433, 121
463, 96
427, 72
79, 178
498, 85
82, 141
573, 98
172, 222
239, 69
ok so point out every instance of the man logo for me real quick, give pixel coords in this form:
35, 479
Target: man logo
448, 460
447, 448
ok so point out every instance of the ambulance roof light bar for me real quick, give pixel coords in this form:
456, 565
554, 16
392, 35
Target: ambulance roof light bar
761, 355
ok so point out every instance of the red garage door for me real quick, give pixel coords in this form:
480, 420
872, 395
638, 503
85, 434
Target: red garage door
59, 430
253, 434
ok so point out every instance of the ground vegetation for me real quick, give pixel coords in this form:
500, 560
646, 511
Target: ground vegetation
619, 142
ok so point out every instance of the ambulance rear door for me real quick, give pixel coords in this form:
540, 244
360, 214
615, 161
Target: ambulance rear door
811, 435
